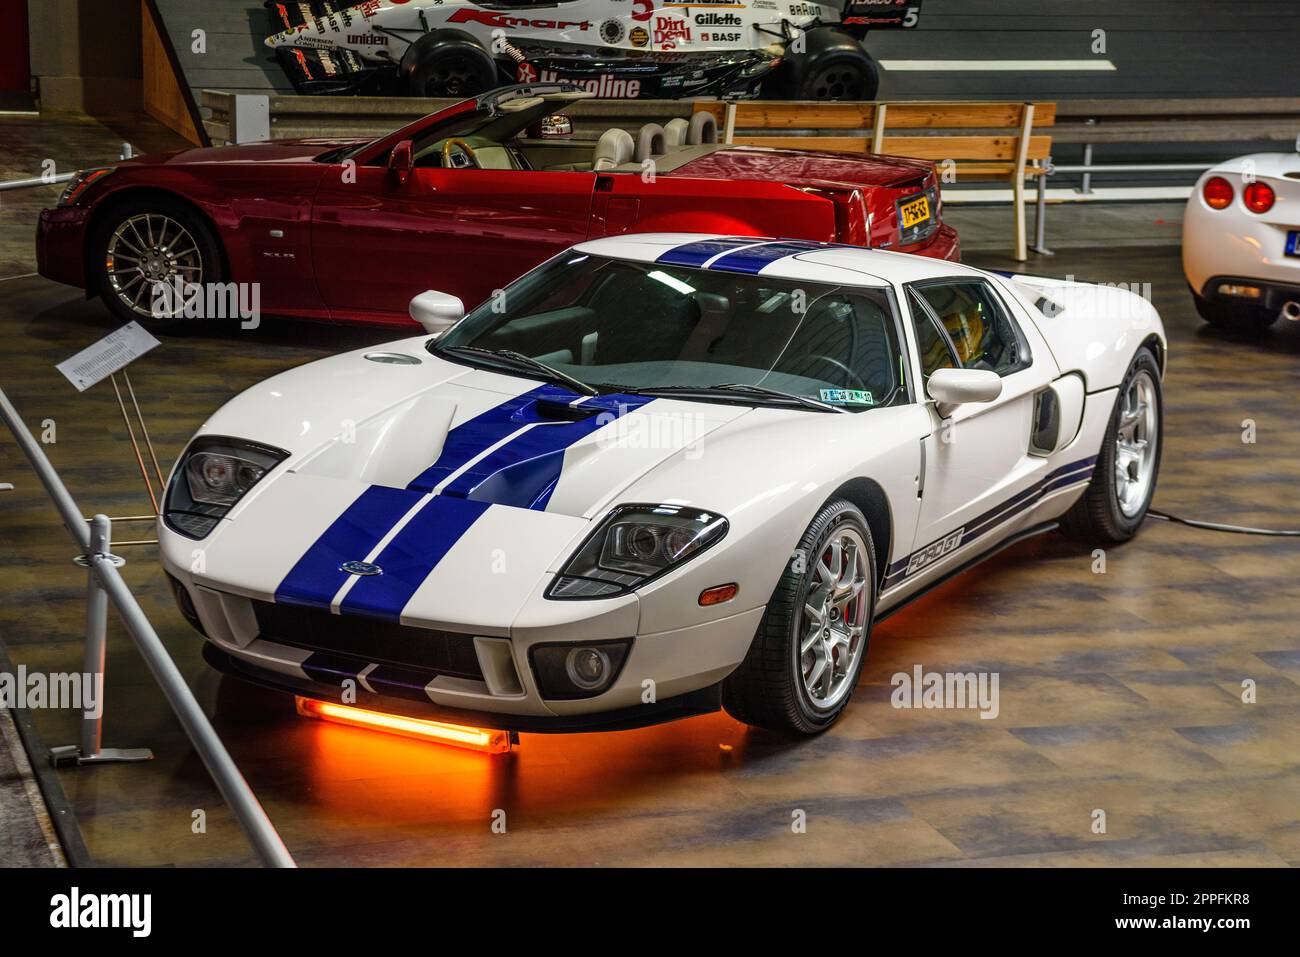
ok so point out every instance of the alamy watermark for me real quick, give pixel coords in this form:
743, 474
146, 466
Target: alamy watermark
70, 690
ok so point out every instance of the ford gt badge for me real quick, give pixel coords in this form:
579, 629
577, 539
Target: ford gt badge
360, 568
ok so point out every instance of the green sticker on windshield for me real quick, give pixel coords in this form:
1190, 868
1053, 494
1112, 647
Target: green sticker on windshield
847, 397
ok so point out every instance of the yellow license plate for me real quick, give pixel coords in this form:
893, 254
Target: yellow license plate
914, 211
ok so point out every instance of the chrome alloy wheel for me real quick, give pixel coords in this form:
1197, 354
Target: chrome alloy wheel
147, 250
834, 619
1136, 443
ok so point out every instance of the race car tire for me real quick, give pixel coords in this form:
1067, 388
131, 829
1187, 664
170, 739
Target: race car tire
1231, 317
1107, 513
448, 63
176, 221
770, 687
832, 66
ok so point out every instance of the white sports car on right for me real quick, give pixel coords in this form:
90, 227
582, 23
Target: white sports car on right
1241, 241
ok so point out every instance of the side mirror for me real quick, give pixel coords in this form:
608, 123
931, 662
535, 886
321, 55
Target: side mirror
953, 387
436, 311
402, 160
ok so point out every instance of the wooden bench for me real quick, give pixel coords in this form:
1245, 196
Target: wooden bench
969, 140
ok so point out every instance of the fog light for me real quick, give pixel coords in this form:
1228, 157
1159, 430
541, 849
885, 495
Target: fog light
489, 740
1241, 292
588, 668
569, 670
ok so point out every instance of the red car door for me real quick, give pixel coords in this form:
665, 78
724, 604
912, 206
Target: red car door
377, 242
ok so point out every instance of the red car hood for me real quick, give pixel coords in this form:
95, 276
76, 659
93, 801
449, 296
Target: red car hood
276, 151
807, 167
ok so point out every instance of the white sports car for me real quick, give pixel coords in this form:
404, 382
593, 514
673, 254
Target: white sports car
1241, 241
794, 49
660, 473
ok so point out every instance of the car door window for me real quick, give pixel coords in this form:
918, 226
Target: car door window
933, 348
981, 331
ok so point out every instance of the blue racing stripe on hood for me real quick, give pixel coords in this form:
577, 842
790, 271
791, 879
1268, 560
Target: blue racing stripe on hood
485, 430
316, 577
411, 556
525, 471
700, 252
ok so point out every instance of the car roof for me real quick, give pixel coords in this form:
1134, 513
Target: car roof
784, 258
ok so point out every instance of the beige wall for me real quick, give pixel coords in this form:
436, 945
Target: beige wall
86, 54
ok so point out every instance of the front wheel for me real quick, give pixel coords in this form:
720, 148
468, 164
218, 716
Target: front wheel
1128, 463
143, 251
806, 657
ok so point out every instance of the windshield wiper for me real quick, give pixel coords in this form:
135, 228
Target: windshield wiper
510, 357
742, 388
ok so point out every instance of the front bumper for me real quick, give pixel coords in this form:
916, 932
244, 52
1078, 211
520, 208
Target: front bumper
465, 676
702, 701
60, 245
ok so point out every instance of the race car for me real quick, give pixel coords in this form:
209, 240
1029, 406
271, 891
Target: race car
663, 473
625, 49
1241, 241
464, 200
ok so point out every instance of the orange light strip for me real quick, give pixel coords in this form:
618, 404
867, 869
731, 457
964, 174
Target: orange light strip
487, 740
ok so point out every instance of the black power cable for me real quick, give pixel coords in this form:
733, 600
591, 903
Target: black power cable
1218, 527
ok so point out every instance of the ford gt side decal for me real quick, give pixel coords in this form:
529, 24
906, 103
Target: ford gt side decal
1066, 475
512, 455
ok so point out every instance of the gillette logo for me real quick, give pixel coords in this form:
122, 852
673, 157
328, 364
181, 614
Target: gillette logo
718, 19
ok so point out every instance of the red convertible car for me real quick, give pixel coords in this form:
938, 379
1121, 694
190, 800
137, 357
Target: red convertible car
462, 201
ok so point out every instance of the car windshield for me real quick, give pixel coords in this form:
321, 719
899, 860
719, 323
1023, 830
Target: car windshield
623, 326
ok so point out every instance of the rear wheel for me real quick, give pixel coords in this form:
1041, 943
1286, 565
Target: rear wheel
450, 64
1124, 478
805, 660
141, 250
832, 66
1233, 317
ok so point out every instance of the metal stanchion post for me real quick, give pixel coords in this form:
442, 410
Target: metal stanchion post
1040, 213
1085, 186
89, 750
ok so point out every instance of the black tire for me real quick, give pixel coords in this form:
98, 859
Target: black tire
767, 689
832, 66
1097, 517
1234, 318
208, 249
449, 63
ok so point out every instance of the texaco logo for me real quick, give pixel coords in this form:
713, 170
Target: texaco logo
526, 73
611, 31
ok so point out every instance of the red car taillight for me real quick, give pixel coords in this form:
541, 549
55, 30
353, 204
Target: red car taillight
1217, 192
1258, 197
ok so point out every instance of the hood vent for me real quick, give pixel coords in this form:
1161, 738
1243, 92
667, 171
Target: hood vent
563, 412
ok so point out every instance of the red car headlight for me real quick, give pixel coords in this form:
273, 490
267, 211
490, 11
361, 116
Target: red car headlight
81, 181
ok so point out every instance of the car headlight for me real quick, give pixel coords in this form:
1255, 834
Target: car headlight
633, 545
213, 475
80, 181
